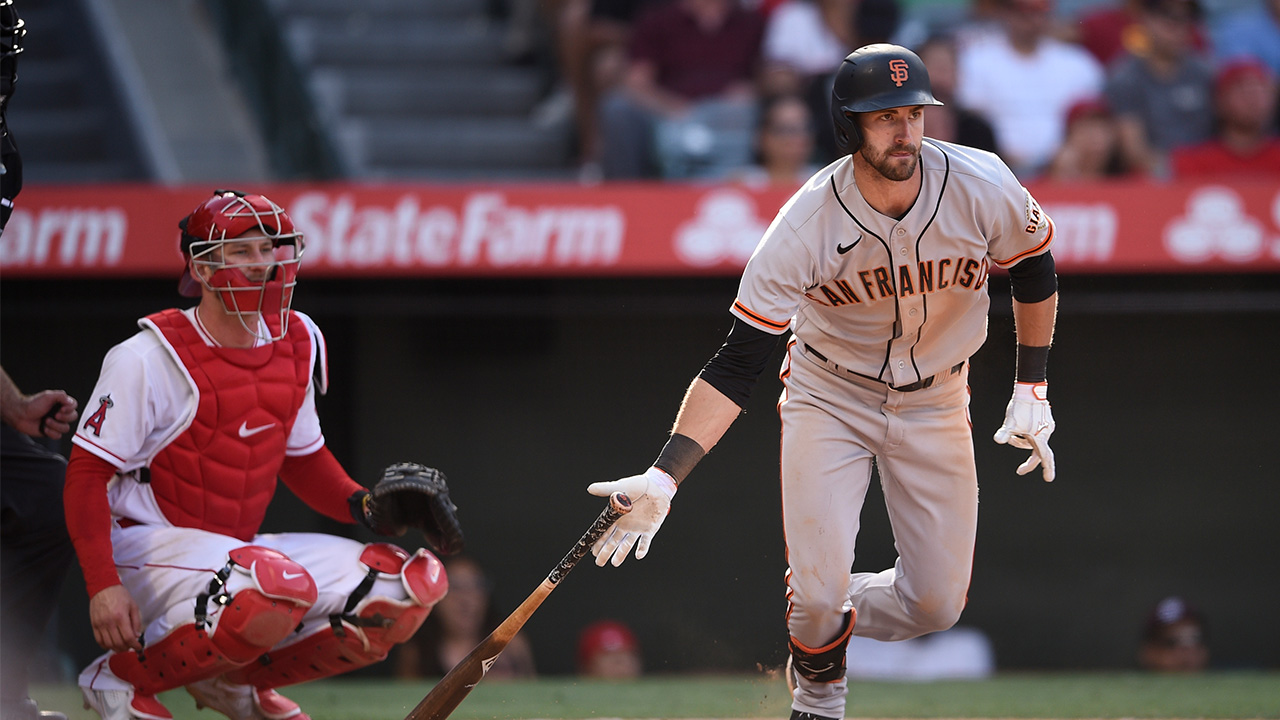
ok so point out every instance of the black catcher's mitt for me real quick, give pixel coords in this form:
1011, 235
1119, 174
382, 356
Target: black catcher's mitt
410, 495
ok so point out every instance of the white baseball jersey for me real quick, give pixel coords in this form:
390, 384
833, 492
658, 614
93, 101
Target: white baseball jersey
895, 300
153, 400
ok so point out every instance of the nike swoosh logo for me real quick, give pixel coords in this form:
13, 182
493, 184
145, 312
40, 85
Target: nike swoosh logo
842, 249
246, 431
289, 576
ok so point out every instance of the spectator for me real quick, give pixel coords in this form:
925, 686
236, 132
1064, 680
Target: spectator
34, 547
950, 122
1110, 30
1246, 144
592, 44
958, 653
1163, 98
458, 623
1023, 81
804, 42
608, 649
784, 145
1091, 150
1174, 638
1251, 31
688, 97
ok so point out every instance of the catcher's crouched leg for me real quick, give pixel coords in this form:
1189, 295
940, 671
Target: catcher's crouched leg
369, 625
254, 602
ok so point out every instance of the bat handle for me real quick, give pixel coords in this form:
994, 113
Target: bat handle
619, 505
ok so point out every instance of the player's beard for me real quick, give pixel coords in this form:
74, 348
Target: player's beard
892, 168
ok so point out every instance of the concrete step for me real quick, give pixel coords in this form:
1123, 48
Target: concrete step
76, 171
463, 144
390, 44
366, 93
48, 83
344, 11
60, 135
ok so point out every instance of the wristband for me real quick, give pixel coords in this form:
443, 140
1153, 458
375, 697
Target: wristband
679, 456
1033, 363
358, 503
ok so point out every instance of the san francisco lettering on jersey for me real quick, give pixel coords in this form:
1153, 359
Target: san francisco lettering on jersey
928, 277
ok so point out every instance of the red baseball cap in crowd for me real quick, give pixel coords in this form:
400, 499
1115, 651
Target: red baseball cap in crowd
1235, 70
604, 636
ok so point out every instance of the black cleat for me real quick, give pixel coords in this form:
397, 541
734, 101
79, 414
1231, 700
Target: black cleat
797, 715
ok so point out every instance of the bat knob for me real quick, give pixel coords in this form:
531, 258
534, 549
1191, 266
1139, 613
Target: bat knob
620, 502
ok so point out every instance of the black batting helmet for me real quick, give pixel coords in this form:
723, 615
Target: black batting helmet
876, 77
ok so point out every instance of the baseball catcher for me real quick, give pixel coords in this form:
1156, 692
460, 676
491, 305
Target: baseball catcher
193, 420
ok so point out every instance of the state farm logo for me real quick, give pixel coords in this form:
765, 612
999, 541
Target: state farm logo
1083, 232
71, 237
724, 228
1216, 226
486, 231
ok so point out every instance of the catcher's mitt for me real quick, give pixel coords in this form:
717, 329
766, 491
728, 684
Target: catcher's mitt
410, 495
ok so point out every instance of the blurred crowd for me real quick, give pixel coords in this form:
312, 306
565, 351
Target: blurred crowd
738, 89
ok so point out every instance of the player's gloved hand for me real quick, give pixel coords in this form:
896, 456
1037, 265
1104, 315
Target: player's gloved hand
1028, 423
650, 496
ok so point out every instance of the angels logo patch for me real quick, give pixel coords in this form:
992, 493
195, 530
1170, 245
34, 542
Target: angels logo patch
94, 422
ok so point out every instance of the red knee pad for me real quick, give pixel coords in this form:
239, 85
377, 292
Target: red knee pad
363, 635
252, 621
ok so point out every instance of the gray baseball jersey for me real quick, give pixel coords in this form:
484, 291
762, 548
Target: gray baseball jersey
885, 313
896, 300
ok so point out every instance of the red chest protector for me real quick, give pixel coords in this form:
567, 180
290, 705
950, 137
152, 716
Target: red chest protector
220, 473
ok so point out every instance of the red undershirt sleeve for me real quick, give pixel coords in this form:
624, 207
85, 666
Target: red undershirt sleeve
319, 481
89, 518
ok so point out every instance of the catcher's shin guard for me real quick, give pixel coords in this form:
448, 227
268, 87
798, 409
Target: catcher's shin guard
263, 596
364, 632
827, 663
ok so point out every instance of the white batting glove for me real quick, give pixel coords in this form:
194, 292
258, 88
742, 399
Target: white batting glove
1028, 423
650, 496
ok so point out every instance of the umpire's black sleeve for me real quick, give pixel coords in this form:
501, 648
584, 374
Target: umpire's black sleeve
737, 365
1034, 279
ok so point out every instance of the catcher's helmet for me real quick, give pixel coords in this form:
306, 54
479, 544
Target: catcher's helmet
223, 219
876, 77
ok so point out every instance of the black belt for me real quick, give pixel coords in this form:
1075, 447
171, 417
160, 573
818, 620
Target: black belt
917, 385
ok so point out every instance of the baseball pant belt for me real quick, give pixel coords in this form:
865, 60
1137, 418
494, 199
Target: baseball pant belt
917, 385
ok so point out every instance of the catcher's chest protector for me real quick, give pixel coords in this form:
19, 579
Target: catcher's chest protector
220, 473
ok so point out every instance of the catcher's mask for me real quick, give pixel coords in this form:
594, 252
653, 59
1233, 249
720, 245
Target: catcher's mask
222, 220
876, 77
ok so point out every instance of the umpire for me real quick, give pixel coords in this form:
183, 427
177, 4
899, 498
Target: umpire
35, 551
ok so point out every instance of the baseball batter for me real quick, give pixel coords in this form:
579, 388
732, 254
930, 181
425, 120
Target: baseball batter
191, 422
878, 266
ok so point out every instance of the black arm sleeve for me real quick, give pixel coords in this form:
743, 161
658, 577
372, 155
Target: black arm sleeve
1034, 279
737, 365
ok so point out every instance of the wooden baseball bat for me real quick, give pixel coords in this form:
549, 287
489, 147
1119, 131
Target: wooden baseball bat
454, 686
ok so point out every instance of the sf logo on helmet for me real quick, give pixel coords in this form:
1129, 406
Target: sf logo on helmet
898, 71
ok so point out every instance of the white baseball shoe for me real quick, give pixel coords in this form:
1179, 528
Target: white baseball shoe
244, 702
124, 705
